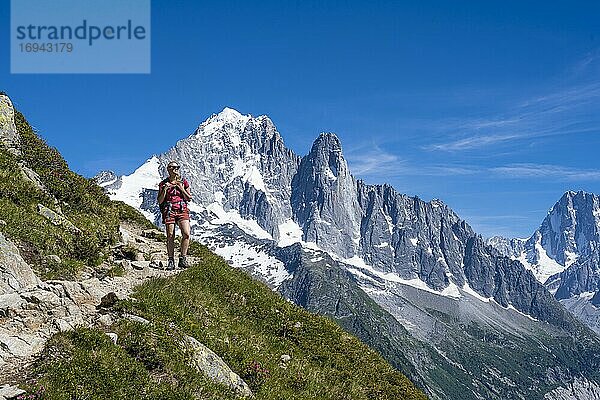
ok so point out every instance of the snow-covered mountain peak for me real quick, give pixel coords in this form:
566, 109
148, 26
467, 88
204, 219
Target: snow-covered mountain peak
569, 232
227, 121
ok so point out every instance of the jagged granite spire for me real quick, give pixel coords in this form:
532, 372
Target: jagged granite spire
324, 198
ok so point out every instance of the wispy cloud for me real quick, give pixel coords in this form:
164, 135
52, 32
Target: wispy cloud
565, 111
528, 170
374, 162
471, 142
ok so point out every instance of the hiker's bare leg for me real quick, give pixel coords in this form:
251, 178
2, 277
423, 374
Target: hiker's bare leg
170, 240
184, 226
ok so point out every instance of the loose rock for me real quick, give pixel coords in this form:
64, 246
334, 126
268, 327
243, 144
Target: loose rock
10, 392
209, 363
113, 336
108, 300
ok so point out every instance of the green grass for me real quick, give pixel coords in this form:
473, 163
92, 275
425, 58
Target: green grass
240, 319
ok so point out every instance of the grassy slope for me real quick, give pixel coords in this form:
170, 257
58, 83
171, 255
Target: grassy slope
79, 199
240, 319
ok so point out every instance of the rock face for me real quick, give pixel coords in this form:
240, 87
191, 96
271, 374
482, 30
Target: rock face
8, 130
570, 232
324, 198
232, 161
381, 263
572, 228
15, 273
508, 247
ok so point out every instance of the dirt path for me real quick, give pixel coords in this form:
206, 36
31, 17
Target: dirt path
32, 315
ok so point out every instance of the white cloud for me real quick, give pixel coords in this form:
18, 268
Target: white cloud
529, 170
374, 162
472, 142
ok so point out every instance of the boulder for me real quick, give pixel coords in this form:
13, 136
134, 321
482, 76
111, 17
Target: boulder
10, 392
108, 300
15, 273
209, 363
57, 219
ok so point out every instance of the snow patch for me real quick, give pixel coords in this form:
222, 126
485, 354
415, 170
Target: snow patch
289, 233
511, 307
414, 241
571, 257
241, 254
546, 266
388, 219
249, 226
467, 289
451, 291
145, 177
254, 178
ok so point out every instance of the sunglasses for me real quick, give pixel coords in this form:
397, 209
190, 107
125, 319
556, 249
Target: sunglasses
174, 167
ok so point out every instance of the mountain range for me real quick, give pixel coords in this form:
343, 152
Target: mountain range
464, 319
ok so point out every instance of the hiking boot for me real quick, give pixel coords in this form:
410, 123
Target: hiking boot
171, 265
183, 263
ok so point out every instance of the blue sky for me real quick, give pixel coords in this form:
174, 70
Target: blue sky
493, 107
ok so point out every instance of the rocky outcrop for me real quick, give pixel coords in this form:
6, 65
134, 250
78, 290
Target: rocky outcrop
583, 276
57, 219
507, 247
30, 175
9, 137
211, 365
32, 311
15, 273
579, 389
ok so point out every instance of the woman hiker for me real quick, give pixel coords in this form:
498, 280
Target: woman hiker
173, 195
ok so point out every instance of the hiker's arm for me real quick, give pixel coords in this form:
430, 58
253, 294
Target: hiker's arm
162, 192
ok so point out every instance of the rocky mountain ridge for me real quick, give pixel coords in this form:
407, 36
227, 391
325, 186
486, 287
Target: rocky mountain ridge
394, 248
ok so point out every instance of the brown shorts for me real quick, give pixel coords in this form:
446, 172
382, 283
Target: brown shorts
175, 216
